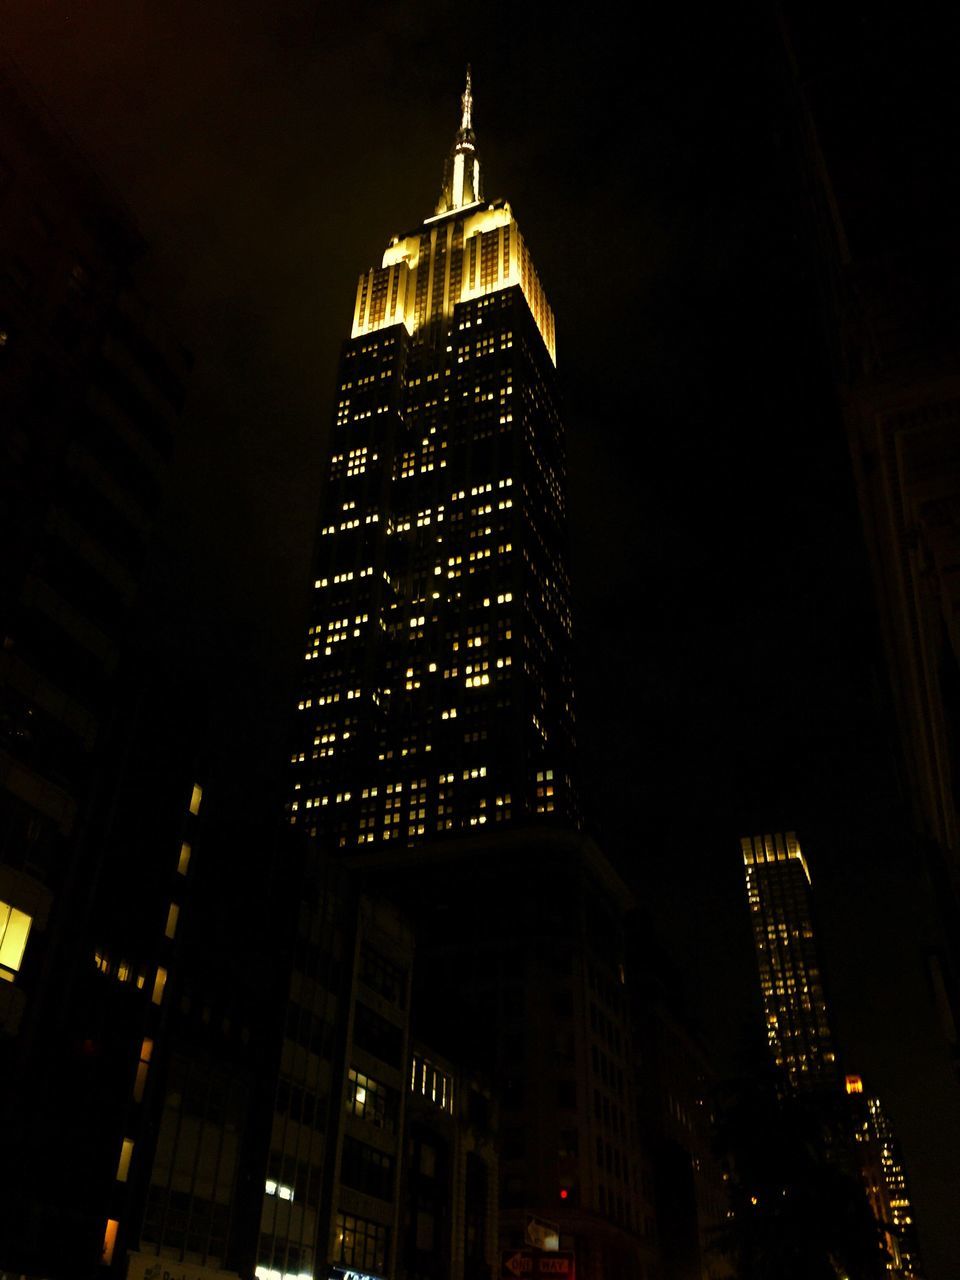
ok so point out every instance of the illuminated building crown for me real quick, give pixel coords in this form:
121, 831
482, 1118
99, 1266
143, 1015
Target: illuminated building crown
467, 249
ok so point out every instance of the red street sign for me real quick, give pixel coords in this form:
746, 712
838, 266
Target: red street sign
530, 1264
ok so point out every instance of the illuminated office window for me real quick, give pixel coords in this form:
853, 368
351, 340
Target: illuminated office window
123, 1166
159, 982
109, 1241
184, 861
143, 1066
14, 930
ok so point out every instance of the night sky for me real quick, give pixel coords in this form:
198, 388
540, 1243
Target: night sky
729, 674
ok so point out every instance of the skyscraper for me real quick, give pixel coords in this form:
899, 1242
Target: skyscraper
779, 895
885, 1177
437, 695
435, 739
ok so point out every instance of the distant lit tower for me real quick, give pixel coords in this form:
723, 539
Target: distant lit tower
881, 1163
779, 895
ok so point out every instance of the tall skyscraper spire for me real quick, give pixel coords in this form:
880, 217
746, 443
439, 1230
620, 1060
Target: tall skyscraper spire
461, 173
466, 103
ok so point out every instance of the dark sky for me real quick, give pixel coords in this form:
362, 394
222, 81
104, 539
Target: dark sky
729, 674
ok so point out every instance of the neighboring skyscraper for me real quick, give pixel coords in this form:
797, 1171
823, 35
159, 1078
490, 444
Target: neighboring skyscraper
800, 1040
885, 1179
779, 895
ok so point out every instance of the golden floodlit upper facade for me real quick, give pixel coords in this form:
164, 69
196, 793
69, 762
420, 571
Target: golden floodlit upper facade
470, 247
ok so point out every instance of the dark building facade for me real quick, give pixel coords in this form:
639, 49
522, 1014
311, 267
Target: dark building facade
91, 390
881, 204
675, 1095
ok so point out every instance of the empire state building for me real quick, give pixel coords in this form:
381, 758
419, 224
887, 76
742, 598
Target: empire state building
435, 749
436, 695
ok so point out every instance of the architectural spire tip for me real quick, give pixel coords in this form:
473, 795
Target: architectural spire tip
466, 102
461, 178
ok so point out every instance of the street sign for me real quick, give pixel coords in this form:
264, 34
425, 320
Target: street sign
531, 1264
542, 1234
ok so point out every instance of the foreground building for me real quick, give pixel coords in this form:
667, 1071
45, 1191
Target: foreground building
91, 390
435, 739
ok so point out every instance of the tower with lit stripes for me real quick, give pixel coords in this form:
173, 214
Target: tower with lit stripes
795, 1011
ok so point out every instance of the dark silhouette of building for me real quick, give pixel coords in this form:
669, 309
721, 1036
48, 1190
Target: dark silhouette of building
91, 389
881, 200
675, 1094
449, 1200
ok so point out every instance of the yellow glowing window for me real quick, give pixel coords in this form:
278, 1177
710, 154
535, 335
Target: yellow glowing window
123, 1166
196, 797
854, 1084
109, 1241
184, 861
172, 916
14, 928
143, 1066
159, 982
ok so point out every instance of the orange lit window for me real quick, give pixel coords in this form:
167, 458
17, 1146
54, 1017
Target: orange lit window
195, 798
184, 861
172, 916
109, 1241
854, 1084
143, 1066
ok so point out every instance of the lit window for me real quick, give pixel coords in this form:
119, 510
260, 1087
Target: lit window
184, 861
159, 982
195, 798
109, 1241
172, 916
278, 1189
143, 1066
123, 1167
14, 928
